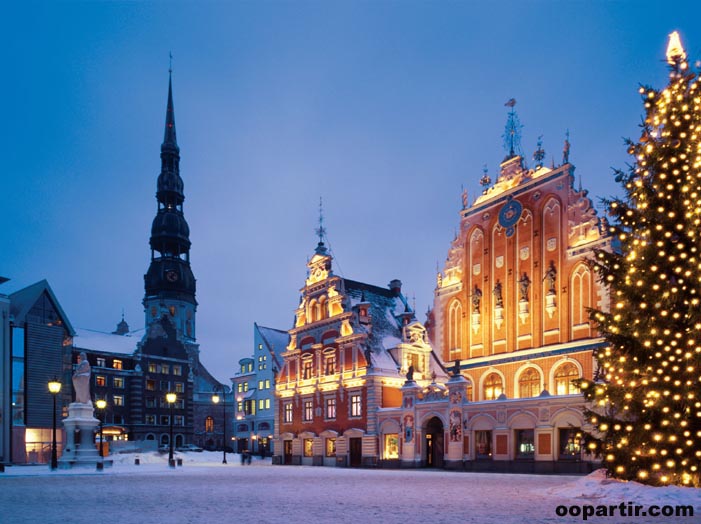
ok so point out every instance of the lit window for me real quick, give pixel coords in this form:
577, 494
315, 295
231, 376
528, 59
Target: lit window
267, 383
117, 364
177, 370
267, 403
570, 442
330, 408
564, 377
179, 387
239, 387
483, 444
493, 387
239, 406
100, 380
330, 365
245, 386
209, 425
151, 385
307, 369
261, 404
260, 346
330, 447
308, 413
118, 400
100, 362
525, 447
308, 447
118, 382
250, 367
356, 406
288, 413
391, 450
151, 419
152, 367
529, 383
165, 369
260, 384
455, 326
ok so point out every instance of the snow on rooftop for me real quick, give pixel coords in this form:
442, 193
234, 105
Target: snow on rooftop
107, 342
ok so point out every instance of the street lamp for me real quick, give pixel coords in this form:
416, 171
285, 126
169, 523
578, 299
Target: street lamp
171, 398
215, 399
54, 389
101, 404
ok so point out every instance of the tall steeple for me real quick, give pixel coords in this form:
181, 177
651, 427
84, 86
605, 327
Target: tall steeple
169, 282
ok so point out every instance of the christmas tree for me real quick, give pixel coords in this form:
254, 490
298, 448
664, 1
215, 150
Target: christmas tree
645, 398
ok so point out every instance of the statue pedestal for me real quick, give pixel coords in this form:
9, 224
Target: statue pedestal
81, 425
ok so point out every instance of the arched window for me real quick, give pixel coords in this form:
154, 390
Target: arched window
455, 326
581, 298
493, 387
314, 310
564, 376
208, 425
529, 383
323, 308
164, 439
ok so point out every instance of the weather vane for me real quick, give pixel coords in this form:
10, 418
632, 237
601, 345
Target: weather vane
512, 133
321, 231
170, 62
486, 180
539, 154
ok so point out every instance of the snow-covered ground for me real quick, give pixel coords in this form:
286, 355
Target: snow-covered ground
204, 490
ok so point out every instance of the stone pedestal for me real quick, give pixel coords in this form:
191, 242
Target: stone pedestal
80, 427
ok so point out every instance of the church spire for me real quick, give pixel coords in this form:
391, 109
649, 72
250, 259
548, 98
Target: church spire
169, 139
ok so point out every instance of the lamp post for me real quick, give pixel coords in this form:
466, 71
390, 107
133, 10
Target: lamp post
55, 389
215, 399
101, 404
171, 398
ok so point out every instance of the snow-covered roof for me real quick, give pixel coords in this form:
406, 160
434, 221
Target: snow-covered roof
275, 339
93, 340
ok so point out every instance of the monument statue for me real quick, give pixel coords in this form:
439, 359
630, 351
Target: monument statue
524, 284
551, 276
81, 380
499, 301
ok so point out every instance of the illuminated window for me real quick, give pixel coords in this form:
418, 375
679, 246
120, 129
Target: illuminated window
391, 450
570, 442
564, 376
117, 364
260, 347
165, 368
323, 308
330, 447
250, 367
493, 387
414, 360
288, 413
455, 325
267, 403
100, 362
260, 384
468, 392
483, 444
100, 380
330, 408
307, 369
118, 382
177, 369
245, 386
239, 387
308, 447
118, 400
261, 404
180, 387
529, 383
152, 367
239, 406
151, 385
267, 383
525, 447
208, 425
330, 365
151, 419
356, 406
308, 412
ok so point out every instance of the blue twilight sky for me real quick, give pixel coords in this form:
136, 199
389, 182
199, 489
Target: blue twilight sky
384, 108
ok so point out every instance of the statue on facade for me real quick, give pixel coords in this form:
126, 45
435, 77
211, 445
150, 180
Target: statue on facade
524, 283
81, 380
410, 374
456, 368
498, 299
550, 276
476, 299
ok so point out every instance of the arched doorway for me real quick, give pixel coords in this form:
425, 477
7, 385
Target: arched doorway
434, 443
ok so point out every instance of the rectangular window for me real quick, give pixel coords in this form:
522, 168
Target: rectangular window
330, 365
267, 383
165, 369
118, 382
239, 406
391, 450
261, 404
308, 412
152, 367
239, 387
165, 385
260, 384
18, 387
151, 419
151, 385
150, 402
118, 400
100, 380
250, 367
356, 406
180, 404
330, 408
267, 403
288, 413
307, 369
117, 364
178, 420
100, 362
180, 387
330, 447
177, 369
525, 443
308, 447
245, 386
483, 444
570, 443
165, 420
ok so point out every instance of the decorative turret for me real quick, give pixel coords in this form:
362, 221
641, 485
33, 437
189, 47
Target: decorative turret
169, 282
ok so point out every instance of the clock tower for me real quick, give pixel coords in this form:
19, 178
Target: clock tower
169, 282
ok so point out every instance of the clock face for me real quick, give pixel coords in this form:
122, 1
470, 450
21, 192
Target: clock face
509, 216
172, 276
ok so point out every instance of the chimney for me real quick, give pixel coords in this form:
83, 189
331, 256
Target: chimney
396, 287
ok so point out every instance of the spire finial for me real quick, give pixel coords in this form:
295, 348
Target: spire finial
512, 133
321, 230
675, 52
170, 63
169, 138
539, 153
566, 148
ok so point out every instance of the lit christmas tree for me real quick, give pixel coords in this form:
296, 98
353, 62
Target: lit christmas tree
646, 395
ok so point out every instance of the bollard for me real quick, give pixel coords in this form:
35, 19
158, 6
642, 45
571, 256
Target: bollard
171, 463
2, 467
137, 461
179, 461
100, 466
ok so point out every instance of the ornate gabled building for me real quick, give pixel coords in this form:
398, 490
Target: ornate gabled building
511, 311
345, 362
